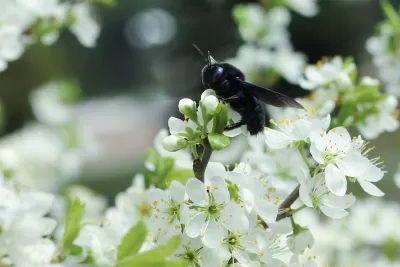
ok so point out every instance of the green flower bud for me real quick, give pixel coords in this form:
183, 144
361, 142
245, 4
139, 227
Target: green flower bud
174, 143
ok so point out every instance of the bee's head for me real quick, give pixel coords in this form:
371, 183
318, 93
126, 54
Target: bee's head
212, 73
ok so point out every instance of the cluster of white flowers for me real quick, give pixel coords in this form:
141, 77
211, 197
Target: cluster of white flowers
334, 87
25, 229
262, 211
384, 47
367, 237
268, 49
53, 146
23, 22
386, 57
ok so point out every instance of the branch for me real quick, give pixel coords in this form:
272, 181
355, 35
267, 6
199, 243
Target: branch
285, 205
200, 165
288, 202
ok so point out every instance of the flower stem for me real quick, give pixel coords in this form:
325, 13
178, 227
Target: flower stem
290, 213
300, 148
200, 165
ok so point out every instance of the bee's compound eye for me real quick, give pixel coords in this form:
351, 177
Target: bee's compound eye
218, 72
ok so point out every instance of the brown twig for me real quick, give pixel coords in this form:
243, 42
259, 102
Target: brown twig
285, 205
199, 166
292, 197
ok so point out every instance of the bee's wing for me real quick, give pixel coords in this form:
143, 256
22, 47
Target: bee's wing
270, 97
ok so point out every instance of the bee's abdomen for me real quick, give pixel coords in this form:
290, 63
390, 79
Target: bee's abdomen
255, 117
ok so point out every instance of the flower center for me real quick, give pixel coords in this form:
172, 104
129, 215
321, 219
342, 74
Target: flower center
144, 209
329, 156
213, 209
191, 255
173, 211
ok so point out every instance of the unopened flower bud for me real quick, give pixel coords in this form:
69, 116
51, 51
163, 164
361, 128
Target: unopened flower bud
174, 143
368, 81
188, 108
211, 104
207, 93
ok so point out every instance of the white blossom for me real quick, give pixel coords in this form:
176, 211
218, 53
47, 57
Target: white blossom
326, 72
306, 8
384, 121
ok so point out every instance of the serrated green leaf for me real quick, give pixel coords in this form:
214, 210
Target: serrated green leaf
180, 175
132, 241
391, 14
218, 141
72, 226
155, 257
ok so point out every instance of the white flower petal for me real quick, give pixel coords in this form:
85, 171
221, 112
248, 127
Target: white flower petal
301, 129
196, 191
353, 164
219, 190
299, 242
305, 194
210, 258
234, 217
214, 169
36, 202
372, 174
266, 210
213, 234
333, 213
275, 139
195, 224
370, 188
335, 180
338, 139
316, 153
176, 125
283, 226
338, 202
177, 191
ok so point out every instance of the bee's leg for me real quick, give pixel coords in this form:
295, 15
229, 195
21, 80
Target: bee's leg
235, 125
231, 99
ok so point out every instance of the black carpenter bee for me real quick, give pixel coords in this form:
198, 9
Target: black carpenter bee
229, 84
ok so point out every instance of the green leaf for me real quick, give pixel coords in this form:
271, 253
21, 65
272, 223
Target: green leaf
391, 14
218, 141
151, 156
162, 168
72, 226
221, 118
180, 175
155, 257
132, 241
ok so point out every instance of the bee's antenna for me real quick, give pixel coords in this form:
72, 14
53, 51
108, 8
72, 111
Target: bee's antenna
211, 60
201, 52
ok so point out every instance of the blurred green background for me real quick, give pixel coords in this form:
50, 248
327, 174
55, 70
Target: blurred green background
144, 63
